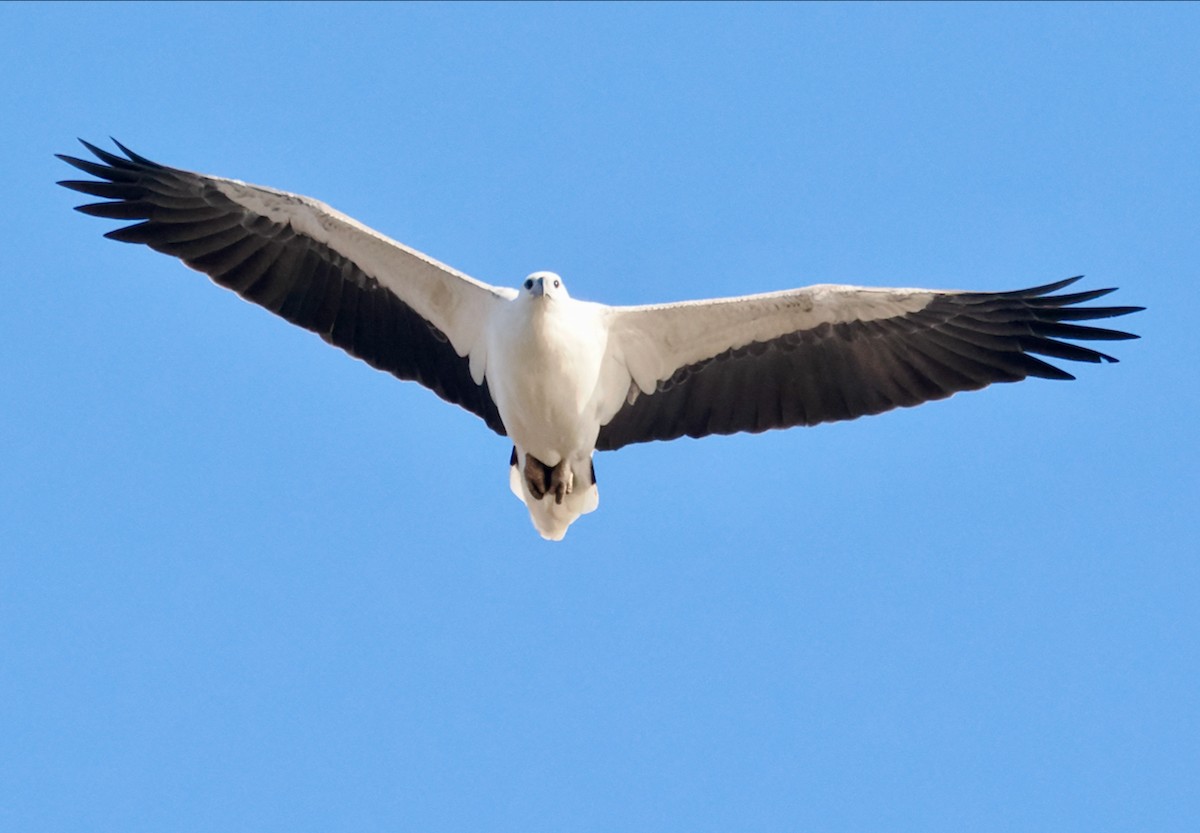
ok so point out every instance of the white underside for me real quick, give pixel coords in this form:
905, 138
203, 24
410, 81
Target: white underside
554, 406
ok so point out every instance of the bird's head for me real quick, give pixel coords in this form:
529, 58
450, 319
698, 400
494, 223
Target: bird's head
544, 285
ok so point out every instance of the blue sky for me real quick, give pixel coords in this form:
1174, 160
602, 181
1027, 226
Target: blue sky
248, 583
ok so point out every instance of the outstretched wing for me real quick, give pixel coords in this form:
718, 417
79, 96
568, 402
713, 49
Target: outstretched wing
378, 300
827, 353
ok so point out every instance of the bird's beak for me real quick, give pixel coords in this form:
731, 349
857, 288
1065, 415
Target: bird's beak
539, 288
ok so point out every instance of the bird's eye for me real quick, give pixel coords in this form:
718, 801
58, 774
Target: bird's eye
529, 284
556, 284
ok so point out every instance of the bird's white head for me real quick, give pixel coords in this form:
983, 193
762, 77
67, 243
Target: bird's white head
544, 285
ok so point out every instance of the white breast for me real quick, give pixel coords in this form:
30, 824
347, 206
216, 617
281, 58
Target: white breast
544, 367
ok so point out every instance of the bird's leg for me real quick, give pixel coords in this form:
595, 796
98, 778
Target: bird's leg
537, 477
562, 481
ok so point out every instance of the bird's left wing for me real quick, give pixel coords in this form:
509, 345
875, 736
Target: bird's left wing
380, 301
826, 353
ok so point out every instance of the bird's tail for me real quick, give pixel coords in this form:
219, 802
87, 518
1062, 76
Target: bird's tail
551, 518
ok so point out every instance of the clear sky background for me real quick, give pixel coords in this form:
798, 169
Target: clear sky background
248, 583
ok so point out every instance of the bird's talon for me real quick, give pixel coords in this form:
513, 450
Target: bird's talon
562, 481
537, 477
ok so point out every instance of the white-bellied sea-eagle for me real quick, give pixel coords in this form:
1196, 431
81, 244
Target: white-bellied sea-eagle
563, 378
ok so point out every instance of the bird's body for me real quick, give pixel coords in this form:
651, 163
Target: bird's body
552, 410
563, 378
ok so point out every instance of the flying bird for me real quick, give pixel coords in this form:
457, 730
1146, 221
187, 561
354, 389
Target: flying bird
563, 378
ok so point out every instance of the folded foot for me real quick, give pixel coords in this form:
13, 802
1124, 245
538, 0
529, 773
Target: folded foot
543, 480
537, 477
562, 481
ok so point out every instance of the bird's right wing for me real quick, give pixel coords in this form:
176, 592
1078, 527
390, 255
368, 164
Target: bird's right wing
826, 353
380, 301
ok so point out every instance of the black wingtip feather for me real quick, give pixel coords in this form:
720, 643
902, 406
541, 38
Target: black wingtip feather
141, 160
105, 156
1069, 298
1081, 313
106, 190
115, 210
1036, 291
